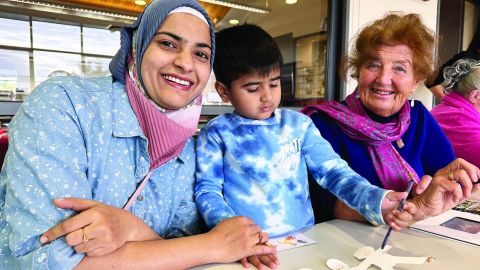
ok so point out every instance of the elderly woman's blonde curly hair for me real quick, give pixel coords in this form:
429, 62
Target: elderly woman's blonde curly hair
463, 76
396, 29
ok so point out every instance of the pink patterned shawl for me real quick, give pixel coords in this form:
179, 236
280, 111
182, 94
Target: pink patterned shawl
393, 171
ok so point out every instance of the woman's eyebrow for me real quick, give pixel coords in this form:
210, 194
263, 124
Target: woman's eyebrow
172, 35
180, 39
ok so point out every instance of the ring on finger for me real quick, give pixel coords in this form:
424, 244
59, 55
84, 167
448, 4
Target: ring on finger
260, 238
84, 236
451, 177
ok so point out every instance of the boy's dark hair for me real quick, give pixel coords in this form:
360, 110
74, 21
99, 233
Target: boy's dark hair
244, 49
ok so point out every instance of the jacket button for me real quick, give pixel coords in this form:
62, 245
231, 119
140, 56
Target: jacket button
140, 198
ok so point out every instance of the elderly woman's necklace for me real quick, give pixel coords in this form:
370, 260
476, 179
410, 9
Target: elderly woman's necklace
400, 143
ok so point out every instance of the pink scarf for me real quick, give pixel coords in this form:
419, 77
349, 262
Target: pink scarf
460, 121
392, 170
167, 131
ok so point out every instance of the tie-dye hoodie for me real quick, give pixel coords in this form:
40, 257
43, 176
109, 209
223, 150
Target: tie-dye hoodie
259, 169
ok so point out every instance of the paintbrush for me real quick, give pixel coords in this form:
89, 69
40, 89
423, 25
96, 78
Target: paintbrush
399, 208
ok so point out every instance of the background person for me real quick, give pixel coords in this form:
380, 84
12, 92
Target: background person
97, 139
382, 136
459, 112
436, 86
472, 52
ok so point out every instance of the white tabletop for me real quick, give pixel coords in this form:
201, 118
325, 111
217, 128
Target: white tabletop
340, 239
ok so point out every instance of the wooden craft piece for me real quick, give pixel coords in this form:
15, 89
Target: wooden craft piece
335, 264
379, 258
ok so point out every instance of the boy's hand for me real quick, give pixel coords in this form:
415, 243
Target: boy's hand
237, 237
389, 206
261, 261
401, 219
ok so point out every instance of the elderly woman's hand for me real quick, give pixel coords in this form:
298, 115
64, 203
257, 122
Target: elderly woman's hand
97, 229
450, 186
459, 171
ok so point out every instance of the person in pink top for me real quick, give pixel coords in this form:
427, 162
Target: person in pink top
459, 112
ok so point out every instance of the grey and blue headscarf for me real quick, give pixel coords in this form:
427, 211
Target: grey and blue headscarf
146, 26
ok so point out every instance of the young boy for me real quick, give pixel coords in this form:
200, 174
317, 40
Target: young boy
253, 162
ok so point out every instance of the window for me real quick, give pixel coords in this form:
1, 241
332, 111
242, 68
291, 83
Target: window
300, 31
96, 66
310, 73
14, 74
54, 36
53, 64
100, 41
14, 32
53, 49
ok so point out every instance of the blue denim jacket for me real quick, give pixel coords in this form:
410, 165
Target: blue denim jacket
77, 137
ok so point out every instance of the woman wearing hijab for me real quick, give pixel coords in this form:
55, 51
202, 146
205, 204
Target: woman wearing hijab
122, 145
459, 112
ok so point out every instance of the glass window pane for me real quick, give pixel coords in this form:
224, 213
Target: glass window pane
53, 36
310, 60
96, 66
100, 41
303, 69
52, 64
14, 32
14, 74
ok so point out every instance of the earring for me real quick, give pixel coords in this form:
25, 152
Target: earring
412, 102
357, 94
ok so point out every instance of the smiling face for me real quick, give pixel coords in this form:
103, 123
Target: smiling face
176, 63
252, 95
386, 80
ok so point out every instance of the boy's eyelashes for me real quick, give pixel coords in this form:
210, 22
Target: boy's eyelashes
250, 90
257, 86
253, 90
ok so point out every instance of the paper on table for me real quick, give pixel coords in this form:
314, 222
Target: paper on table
462, 223
290, 241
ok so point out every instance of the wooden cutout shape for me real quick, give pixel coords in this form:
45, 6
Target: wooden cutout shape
379, 258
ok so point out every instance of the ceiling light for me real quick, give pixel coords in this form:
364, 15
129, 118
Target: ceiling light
237, 6
233, 21
291, 2
70, 11
140, 2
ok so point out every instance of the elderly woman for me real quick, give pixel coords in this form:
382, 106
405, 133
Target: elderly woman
459, 112
97, 138
383, 137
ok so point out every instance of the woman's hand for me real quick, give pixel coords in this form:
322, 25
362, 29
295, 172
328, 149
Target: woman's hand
461, 171
99, 228
237, 238
449, 186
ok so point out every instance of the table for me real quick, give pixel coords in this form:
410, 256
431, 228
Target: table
339, 239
